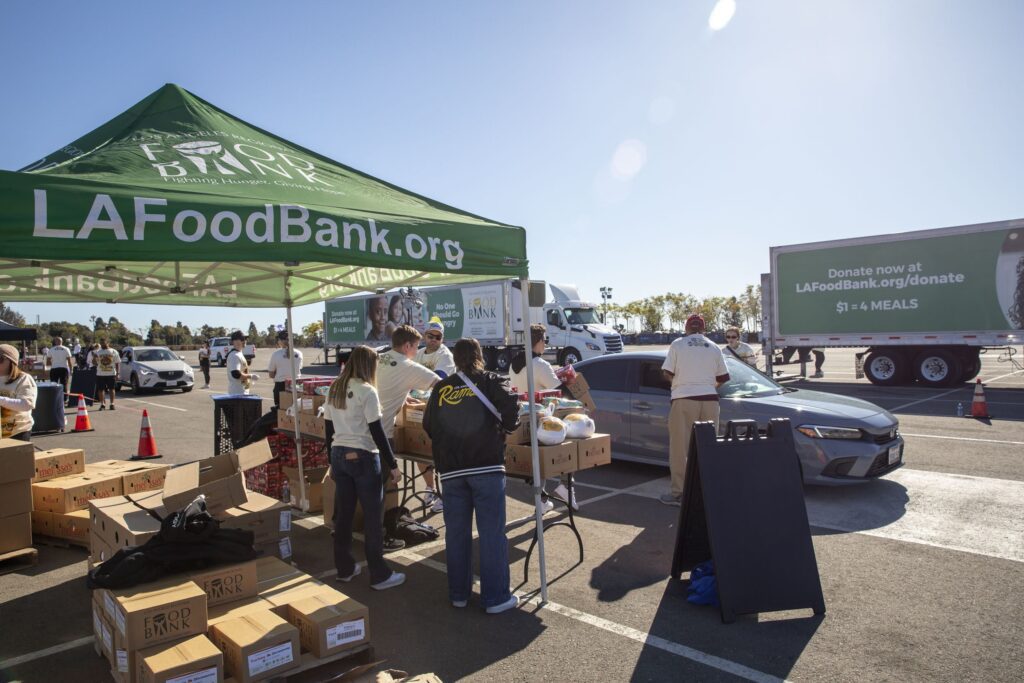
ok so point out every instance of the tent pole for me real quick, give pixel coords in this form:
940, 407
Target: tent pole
538, 483
295, 404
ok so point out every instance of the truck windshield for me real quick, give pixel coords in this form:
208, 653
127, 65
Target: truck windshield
582, 316
746, 381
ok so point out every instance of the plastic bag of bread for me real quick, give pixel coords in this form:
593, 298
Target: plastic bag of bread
578, 426
550, 431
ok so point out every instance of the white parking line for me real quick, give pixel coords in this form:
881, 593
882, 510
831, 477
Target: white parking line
962, 438
39, 654
158, 405
952, 391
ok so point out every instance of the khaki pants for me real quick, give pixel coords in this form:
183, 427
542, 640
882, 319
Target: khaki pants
680, 426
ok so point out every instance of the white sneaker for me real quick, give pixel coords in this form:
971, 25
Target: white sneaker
206, 386
355, 572
511, 603
396, 579
549, 505
438, 505
562, 492
459, 603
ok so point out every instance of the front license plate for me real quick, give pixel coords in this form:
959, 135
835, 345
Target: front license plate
894, 454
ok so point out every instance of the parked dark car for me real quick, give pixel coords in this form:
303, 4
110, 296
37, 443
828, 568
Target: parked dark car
839, 440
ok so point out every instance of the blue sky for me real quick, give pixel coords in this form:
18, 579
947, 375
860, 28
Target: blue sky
641, 149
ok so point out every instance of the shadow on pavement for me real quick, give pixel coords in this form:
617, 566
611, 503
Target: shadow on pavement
872, 505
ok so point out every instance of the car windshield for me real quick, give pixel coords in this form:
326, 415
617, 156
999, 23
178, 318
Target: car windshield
582, 316
745, 381
149, 355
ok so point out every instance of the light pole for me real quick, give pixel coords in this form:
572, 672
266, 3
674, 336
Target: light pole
606, 296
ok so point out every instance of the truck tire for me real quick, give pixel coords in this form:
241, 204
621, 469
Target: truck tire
971, 366
886, 368
938, 368
569, 356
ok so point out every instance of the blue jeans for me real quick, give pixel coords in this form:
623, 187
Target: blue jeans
484, 493
358, 479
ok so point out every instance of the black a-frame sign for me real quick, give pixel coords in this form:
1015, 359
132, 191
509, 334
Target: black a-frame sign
743, 507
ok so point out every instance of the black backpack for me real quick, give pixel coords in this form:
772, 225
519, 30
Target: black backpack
398, 523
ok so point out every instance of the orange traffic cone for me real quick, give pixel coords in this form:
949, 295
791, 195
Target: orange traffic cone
979, 406
82, 423
147, 443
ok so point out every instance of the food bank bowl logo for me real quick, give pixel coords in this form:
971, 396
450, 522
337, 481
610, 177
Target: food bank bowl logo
212, 159
167, 623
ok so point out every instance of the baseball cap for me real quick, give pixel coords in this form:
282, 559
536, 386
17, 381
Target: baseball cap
695, 320
237, 335
435, 325
282, 335
9, 352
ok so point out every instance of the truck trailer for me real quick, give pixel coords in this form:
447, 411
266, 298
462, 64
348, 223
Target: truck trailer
489, 311
924, 303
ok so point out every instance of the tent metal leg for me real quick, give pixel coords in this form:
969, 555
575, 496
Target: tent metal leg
538, 482
295, 402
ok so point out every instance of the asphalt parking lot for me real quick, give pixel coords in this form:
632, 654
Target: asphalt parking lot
922, 570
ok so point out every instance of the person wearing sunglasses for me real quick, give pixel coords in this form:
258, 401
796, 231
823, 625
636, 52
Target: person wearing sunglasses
437, 357
738, 349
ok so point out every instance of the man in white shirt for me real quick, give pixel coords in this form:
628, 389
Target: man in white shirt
239, 377
280, 368
60, 360
107, 362
397, 375
435, 355
696, 367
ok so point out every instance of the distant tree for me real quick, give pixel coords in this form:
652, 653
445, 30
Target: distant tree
732, 312
207, 332
9, 315
253, 334
312, 332
750, 305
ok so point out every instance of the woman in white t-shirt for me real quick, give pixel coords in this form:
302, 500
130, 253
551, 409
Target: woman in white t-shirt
357, 449
17, 397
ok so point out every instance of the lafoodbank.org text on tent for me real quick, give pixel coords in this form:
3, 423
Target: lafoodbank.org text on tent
283, 223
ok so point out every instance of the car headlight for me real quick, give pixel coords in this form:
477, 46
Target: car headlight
822, 432
188, 371
145, 371
593, 347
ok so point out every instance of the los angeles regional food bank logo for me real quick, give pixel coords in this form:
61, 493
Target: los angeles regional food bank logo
226, 162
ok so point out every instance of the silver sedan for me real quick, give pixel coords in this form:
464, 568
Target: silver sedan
839, 440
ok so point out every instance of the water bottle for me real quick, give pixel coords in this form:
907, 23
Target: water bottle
286, 494
960, 409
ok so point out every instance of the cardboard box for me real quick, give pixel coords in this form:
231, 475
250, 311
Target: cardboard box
18, 458
257, 646
412, 439
554, 460
41, 523
595, 451
158, 612
193, 660
580, 390
102, 630
521, 434
412, 413
227, 583
15, 497
312, 425
73, 526
329, 622
233, 610
58, 462
268, 518
280, 549
15, 532
124, 522
284, 420
68, 494
307, 404
314, 477
136, 477
219, 478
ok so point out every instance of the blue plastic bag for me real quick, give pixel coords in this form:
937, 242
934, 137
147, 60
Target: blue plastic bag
703, 591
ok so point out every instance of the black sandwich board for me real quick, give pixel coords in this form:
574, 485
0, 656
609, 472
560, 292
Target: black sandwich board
743, 507
83, 381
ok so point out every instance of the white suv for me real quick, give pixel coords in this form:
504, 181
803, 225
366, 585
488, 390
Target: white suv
154, 367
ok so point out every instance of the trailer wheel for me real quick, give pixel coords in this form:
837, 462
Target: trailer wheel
971, 367
939, 368
886, 368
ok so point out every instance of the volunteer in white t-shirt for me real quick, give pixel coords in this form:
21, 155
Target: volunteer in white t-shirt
544, 377
107, 362
239, 378
696, 367
397, 375
435, 355
280, 369
360, 455
17, 397
737, 349
60, 362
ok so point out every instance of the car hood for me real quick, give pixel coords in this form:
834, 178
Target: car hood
161, 365
824, 404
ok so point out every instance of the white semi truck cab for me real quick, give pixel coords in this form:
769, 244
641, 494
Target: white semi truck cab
575, 329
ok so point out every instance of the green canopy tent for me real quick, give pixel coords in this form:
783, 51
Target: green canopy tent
176, 201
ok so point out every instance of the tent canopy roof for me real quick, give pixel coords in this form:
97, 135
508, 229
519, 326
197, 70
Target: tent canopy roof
176, 201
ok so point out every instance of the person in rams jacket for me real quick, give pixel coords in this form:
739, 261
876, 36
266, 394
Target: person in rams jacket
468, 443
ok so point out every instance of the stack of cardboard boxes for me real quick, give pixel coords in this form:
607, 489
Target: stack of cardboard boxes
250, 621
122, 521
305, 412
63, 485
16, 472
269, 477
